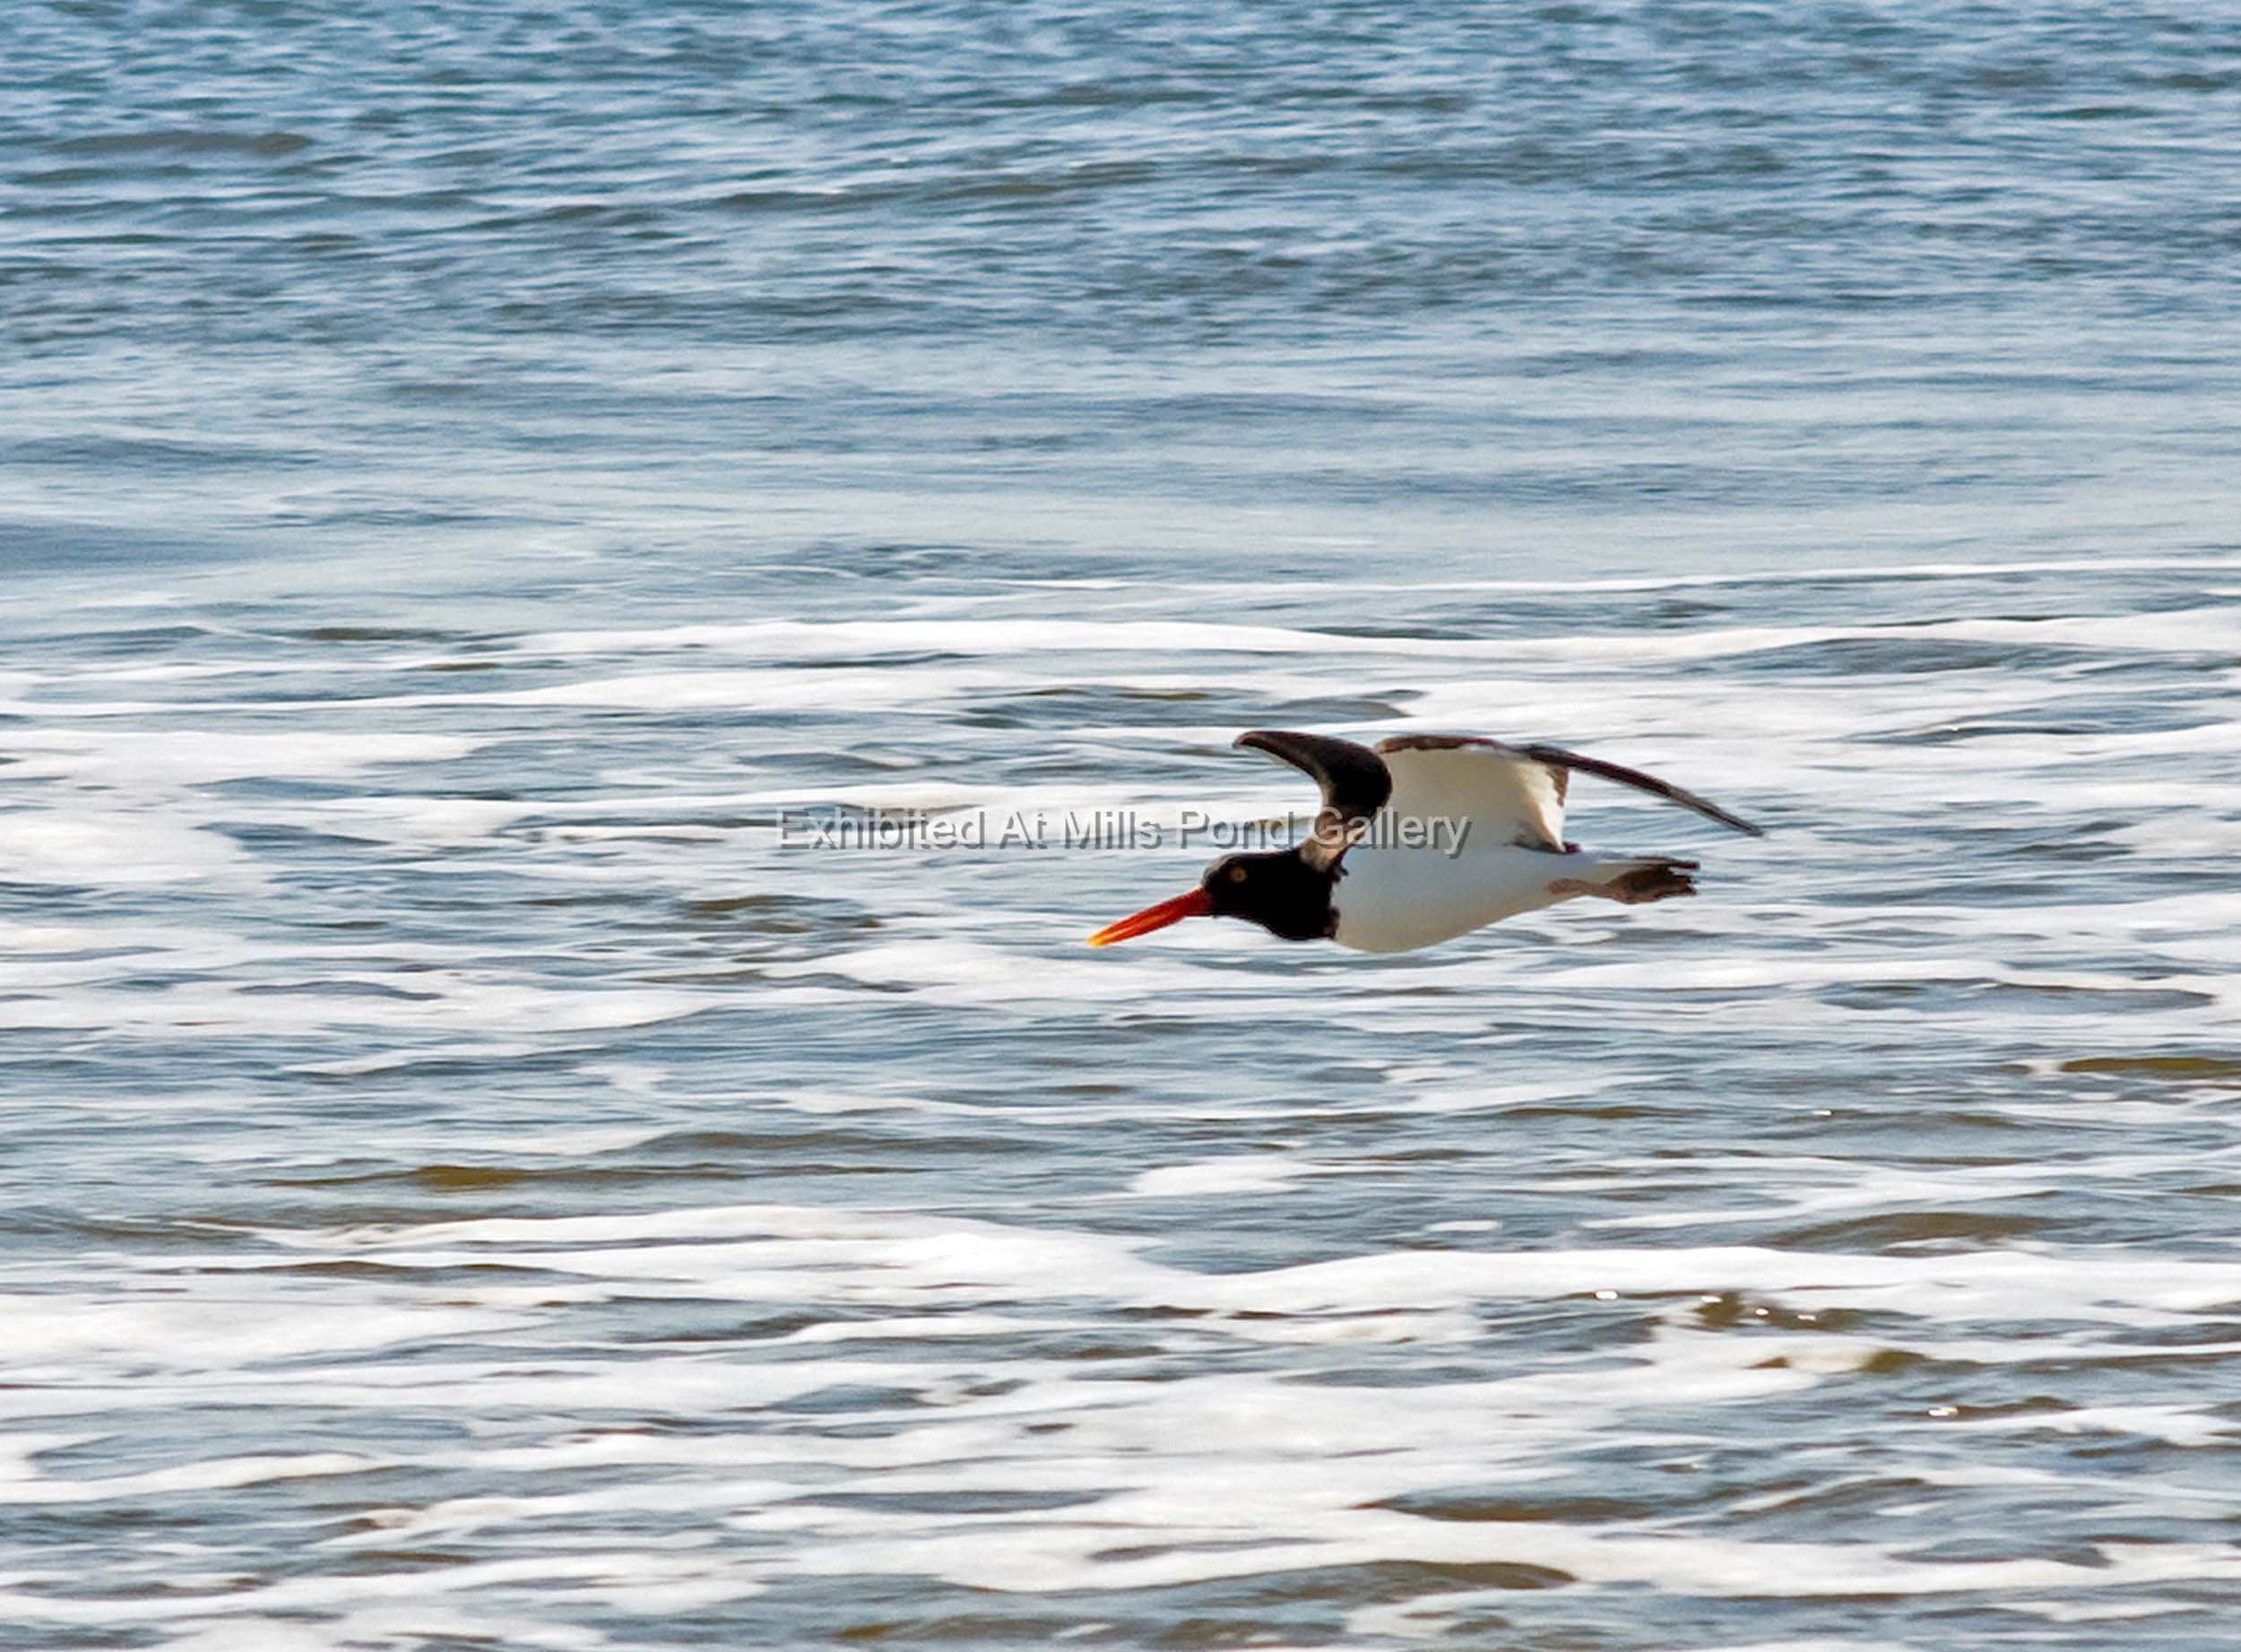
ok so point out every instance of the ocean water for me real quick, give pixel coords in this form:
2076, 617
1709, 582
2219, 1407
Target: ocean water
480, 488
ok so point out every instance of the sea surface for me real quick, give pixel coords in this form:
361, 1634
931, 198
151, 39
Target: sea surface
484, 488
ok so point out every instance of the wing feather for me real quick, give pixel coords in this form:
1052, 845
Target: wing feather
1515, 791
1507, 796
1354, 780
1558, 757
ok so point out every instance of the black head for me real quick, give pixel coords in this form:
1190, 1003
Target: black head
1280, 891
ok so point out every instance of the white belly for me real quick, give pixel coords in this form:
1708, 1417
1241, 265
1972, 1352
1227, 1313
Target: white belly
1391, 899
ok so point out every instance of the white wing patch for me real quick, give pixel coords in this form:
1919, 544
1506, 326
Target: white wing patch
1507, 796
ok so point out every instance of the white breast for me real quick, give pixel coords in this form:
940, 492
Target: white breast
1394, 899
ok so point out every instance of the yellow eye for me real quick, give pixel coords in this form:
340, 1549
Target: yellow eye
1237, 874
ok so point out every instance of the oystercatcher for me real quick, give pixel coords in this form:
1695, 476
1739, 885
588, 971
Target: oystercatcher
1424, 838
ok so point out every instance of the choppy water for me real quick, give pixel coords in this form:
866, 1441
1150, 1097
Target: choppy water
470, 474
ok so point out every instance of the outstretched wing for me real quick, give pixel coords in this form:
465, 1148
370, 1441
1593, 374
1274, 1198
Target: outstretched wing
1507, 796
1557, 757
1353, 778
1511, 793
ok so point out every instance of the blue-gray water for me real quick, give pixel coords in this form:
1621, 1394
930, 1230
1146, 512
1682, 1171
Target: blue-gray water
468, 473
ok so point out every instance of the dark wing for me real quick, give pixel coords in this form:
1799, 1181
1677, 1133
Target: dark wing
1355, 781
1557, 757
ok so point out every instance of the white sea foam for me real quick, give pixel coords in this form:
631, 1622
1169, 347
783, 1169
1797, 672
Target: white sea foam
148, 760
109, 849
1259, 1174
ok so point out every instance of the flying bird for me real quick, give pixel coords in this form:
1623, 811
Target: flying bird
1421, 838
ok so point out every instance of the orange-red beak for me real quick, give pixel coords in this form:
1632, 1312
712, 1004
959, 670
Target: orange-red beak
1197, 903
